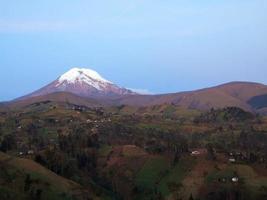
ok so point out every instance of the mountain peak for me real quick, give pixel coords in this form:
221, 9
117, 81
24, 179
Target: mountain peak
81, 75
83, 82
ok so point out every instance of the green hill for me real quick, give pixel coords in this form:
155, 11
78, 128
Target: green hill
25, 179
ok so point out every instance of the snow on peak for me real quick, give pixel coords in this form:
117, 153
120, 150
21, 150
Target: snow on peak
82, 75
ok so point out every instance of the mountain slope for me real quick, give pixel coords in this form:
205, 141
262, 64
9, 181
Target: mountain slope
231, 94
82, 82
60, 97
243, 90
258, 102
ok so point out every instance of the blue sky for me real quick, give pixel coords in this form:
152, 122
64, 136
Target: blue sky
159, 46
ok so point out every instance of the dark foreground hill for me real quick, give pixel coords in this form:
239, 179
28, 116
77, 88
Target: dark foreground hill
24, 179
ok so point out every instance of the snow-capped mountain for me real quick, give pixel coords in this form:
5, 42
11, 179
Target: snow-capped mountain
83, 82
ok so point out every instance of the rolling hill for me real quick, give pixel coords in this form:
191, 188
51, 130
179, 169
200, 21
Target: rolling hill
231, 94
244, 95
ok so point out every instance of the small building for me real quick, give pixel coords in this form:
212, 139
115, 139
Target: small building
235, 179
195, 153
232, 160
30, 152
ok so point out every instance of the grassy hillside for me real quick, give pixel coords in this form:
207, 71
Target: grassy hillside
24, 179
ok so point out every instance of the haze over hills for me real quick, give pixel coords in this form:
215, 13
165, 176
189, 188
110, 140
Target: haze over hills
86, 87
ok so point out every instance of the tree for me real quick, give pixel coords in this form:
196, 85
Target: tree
210, 151
38, 194
8, 143
27, 183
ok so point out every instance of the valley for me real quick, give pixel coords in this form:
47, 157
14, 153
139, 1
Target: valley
127, 152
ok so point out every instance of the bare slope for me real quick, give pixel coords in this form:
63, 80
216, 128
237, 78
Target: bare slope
230, 94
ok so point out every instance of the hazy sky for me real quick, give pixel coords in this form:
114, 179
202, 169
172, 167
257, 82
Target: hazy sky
157, 45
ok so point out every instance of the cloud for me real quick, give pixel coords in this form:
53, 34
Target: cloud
140, 91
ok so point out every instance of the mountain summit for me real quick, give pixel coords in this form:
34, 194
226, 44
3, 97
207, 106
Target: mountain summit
83, 82
83, 76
